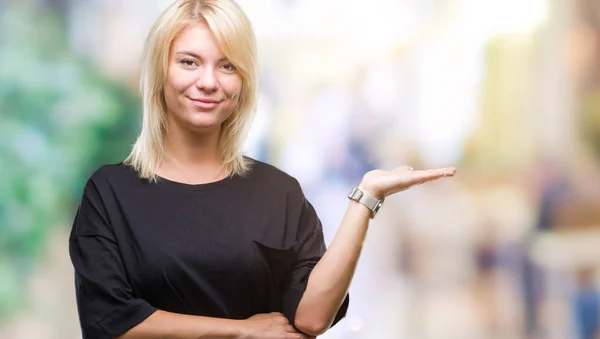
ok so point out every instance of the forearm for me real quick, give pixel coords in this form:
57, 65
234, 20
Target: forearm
167, 325
329, 281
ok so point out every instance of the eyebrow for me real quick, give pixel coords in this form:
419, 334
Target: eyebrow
194, 55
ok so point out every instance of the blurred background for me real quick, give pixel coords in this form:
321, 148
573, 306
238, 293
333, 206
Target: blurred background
508, 91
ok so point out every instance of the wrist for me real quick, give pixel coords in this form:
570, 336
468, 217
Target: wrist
240, 330
363, 195
365, 187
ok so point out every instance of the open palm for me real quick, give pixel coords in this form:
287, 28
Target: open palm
382, 183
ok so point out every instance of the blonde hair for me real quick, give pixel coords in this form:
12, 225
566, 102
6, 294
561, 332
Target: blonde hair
233, 33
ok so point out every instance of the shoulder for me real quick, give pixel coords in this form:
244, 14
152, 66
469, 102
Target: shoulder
112, 171
114, 174
110, 184
272, 176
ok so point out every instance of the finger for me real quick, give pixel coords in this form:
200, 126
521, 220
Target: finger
420, 177
281, 319
290, 329
448, 171
427, 175
419, 180
294, 336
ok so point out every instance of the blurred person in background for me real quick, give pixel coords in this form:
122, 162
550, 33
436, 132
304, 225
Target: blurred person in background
189, 238
586, 305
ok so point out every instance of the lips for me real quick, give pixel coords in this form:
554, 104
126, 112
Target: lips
204, 103
206, 100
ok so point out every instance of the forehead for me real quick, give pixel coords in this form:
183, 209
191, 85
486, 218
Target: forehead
197, 39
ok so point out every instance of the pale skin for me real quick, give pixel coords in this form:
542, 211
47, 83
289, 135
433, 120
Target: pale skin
201, 92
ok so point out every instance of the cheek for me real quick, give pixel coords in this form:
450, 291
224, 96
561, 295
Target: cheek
178, 81
170, 96
233, 89
173, 89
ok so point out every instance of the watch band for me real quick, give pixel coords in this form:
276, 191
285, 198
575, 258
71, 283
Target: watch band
366, 199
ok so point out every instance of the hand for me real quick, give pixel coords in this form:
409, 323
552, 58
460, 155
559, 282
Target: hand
270, 326
380, 183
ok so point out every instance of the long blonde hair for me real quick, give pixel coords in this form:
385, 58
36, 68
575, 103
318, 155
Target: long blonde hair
234, 35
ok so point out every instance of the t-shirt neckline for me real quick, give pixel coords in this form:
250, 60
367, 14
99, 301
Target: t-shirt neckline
196, 187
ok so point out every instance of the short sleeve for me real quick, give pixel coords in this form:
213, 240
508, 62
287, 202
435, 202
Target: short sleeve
308, 250
106, 302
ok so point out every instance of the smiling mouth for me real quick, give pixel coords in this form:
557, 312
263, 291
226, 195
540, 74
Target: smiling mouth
206, 100
204, 103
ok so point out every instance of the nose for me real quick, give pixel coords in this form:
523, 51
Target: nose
206, 80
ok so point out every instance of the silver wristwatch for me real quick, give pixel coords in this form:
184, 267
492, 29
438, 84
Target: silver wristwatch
366, 199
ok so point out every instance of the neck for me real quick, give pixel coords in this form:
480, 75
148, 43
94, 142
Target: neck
193, 148
192, 156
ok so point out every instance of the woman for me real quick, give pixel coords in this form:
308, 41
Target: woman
187, 238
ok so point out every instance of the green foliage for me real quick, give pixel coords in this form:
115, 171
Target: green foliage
59, 120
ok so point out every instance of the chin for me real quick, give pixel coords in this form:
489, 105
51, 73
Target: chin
204, 121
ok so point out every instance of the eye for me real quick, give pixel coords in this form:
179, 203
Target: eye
229, 67
188, 62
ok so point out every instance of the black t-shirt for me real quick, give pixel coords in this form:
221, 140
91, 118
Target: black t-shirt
228, 249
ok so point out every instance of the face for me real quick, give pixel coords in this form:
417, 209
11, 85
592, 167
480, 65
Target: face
203, 87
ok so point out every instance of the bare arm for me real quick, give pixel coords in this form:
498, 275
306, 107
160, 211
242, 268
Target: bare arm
162, 324
329, 281
167, 325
